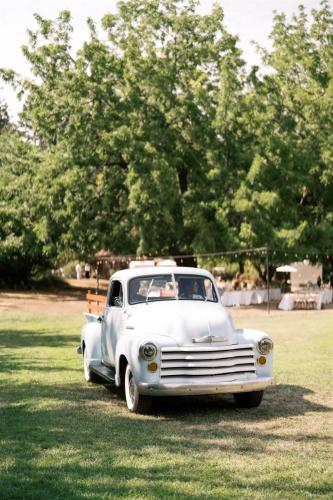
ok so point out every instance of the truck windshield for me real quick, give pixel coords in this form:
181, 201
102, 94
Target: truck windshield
194, 287
170, 287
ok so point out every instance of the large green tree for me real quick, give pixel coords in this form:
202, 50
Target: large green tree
175, 67
286, 199
140, 128
25, 246
152, 138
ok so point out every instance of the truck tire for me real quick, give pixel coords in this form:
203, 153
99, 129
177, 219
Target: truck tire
136, 403
88, 374
248, 399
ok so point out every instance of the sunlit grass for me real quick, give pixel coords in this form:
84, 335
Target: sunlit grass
63, 438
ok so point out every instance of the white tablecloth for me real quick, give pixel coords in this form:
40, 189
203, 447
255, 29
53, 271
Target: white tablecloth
275, 294
320, 297
327, 295
259, 296
236, 298
288, 300
248, 297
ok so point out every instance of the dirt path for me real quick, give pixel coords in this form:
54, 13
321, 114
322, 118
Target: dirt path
41, 302
73, 302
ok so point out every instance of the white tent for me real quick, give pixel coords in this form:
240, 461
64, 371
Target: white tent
286, 269
306, 273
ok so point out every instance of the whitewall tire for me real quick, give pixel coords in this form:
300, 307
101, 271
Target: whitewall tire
136, 403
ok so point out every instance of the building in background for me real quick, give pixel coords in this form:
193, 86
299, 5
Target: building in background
306, 274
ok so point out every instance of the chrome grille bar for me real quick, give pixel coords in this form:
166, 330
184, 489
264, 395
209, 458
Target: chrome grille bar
183, 362
206, 355
188, 349
221, 362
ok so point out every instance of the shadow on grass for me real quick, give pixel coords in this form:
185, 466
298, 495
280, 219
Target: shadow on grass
75, 440
281, 401
11, 363
16, 345
36, 338
85, 444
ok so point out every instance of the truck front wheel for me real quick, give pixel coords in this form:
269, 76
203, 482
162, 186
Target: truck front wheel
136, 403
248, 399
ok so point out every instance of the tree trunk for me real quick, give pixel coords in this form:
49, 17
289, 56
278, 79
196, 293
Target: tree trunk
262, 271
182, 179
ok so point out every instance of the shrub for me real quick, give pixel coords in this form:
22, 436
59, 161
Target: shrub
69, 269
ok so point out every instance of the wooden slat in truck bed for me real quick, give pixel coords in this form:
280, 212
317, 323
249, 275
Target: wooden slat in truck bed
96, 303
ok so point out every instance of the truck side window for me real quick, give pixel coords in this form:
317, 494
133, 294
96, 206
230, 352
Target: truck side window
116, 295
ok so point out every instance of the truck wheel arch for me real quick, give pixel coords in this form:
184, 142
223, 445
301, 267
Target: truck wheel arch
122, 364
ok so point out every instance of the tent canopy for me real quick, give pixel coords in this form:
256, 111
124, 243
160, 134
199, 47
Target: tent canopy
286, 269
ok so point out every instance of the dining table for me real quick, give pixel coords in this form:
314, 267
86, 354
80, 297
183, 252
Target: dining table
313, 299
236, 298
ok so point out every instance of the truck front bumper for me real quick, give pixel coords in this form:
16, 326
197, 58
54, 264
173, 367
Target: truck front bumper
258, 384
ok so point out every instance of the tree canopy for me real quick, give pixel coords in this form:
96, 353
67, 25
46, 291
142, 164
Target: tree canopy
155, 138
4, 118
286, 197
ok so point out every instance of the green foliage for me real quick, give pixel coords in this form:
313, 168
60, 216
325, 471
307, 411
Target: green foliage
4, 118
48, 281
153, 138
133, 127
24, 239
69, 269
286, 198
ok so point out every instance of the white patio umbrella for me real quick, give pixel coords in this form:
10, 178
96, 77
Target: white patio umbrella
286, 269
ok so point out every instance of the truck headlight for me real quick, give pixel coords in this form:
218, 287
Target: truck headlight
148, 351
265, 345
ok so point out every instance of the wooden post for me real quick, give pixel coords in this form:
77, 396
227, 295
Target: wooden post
97, 278
267, 281
89, 302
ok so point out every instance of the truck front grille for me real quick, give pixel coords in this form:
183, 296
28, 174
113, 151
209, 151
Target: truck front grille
225, 363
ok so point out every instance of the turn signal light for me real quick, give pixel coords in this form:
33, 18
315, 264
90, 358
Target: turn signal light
261, 360
152, 367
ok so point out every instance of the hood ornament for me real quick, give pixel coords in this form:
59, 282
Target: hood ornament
209, 339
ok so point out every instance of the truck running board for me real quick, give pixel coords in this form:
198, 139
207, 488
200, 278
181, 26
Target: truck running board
108, 374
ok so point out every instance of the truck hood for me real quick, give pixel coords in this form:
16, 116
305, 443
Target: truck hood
205, 322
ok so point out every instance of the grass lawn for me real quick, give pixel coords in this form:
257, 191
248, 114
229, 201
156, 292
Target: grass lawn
63, 438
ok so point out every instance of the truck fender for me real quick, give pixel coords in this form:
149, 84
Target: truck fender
127, 350
91, 340
250, 335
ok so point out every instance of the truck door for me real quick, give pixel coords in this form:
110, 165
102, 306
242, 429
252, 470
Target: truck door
112, 322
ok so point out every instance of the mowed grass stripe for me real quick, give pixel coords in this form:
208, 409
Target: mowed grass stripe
63, 438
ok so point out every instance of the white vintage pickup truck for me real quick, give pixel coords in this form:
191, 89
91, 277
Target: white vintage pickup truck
164, 331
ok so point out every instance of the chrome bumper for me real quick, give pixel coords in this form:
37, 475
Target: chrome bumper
201, 389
